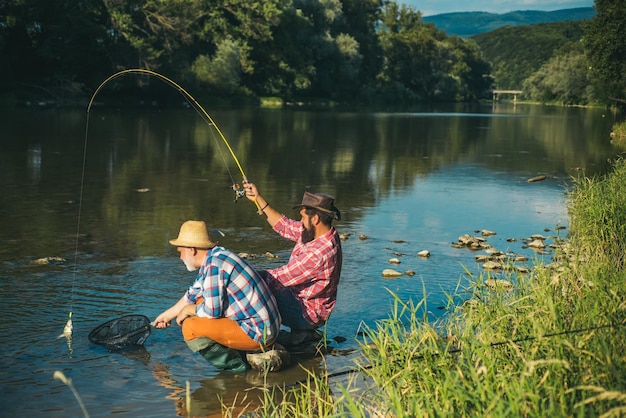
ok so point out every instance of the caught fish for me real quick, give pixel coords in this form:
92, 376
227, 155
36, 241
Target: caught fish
67, 330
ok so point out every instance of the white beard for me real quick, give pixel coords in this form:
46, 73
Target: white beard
190, 267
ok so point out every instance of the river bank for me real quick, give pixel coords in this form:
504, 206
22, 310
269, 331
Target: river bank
551, 344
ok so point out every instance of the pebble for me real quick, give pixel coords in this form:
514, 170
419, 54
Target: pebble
492, 265
498, 284
391, 273
538, 243
47, 260
536, 179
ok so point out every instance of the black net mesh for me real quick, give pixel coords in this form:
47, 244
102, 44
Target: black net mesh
123, 332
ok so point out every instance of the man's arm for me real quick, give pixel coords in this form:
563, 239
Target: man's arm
165, 318
252, 193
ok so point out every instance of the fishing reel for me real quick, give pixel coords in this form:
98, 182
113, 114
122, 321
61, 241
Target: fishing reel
239, 192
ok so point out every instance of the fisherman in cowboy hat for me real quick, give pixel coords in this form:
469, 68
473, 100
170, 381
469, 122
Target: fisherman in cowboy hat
306, 287
228, 309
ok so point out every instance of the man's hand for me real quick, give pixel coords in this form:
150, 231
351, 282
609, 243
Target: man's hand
187, 312
161, 322
252, 193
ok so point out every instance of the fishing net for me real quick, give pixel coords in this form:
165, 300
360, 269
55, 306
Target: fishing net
120, 333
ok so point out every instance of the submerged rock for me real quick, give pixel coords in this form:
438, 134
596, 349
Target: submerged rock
498, 284
536, 179
537, 244
344, 236
48, 260
471, 242
391, 273
492, 265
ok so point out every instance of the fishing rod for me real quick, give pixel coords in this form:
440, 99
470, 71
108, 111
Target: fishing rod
239, 192
237, 188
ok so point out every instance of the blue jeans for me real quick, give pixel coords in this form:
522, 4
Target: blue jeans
291, 310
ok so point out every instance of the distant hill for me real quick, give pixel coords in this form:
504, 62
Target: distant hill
516, 52
467, 24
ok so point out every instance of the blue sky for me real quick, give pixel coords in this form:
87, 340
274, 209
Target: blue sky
433, 7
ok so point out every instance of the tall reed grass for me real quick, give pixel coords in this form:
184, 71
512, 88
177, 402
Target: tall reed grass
552, 345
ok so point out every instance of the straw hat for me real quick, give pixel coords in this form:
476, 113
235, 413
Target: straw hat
321, 202
194, 234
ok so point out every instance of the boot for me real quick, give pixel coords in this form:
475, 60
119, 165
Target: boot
270, 360
222, 357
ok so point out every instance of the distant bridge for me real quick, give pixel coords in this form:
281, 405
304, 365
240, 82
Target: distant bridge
513, 92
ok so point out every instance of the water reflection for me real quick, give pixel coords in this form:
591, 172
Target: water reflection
409, 181
34, 162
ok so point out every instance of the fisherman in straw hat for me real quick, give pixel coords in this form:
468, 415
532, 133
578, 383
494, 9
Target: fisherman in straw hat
306, 287
228, 309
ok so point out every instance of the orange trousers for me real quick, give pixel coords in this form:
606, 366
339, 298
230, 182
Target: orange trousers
223, 331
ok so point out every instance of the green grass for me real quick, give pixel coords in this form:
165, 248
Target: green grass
553, 345
619, 131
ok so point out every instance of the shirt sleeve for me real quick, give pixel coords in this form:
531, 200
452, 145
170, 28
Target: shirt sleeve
304, 266
213, 293
288, 228
209, 286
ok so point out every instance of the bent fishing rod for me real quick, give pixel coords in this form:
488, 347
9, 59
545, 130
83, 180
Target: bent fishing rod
239, 191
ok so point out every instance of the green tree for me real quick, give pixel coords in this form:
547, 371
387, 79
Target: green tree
422, 62
605, 46
284, 65
469, 70
222, 73
312, 53
515, 53
564, 78
360, 20
179, 35
408, 49
55, 45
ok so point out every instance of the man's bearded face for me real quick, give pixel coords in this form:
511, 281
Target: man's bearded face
308, 232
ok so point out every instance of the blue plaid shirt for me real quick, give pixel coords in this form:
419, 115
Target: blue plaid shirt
231, 288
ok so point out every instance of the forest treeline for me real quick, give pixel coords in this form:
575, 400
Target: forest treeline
358, 51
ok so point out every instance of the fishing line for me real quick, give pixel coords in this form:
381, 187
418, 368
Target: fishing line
458, 350
196, 106
239, 192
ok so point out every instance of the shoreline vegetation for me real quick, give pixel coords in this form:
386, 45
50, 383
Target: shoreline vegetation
618, 133
553, 344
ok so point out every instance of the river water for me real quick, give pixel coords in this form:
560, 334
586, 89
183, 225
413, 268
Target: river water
86, 211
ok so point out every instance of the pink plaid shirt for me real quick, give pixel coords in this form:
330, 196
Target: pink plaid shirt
313, 270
